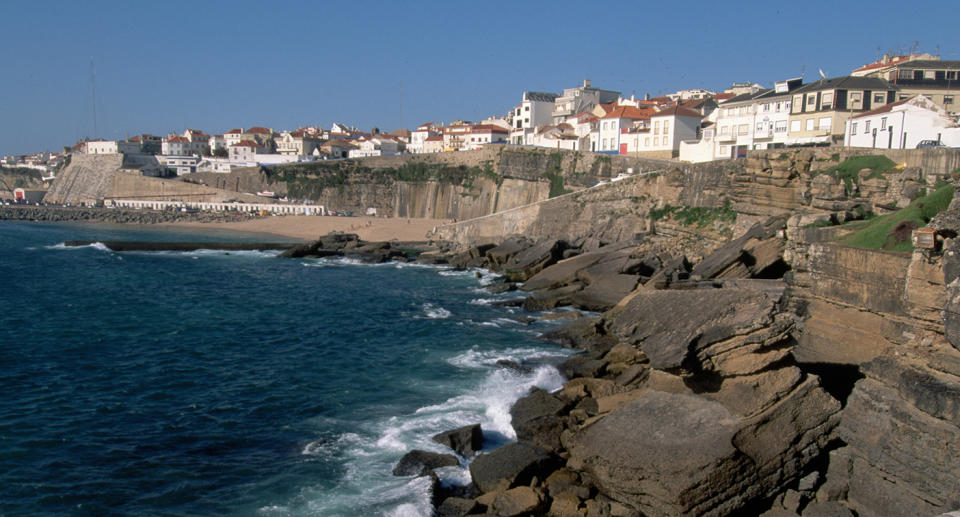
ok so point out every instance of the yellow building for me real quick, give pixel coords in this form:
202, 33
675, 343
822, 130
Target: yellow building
819, 110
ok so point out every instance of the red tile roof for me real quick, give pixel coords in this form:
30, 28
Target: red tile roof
234, 132
488, 128
879, 64
678, 111
246, 143
724, 96
258, 129
629, 112
435, 138
176, 140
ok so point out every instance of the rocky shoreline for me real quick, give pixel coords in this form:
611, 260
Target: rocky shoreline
689, 398
48, 213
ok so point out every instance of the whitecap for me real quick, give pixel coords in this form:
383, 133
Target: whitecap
435, 311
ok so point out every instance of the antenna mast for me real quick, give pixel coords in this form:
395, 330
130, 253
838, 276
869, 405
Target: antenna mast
93, 97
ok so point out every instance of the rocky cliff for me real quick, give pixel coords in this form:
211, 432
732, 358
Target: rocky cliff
739, 367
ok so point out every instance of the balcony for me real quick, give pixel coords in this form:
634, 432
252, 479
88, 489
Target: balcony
764, 134
727, 138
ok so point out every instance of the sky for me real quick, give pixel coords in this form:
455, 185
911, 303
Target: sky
162, 67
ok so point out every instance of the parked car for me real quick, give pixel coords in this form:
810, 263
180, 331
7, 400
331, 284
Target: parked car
930, 144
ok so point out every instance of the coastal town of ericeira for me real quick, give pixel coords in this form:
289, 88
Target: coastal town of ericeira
430, 259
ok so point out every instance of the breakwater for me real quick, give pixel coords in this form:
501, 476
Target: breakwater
114, 215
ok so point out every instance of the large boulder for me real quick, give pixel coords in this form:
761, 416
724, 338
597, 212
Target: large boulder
512, 465
537, 419
682, 454
728, 330
562, 273
527, 263
419, 463
500, 254
466, 440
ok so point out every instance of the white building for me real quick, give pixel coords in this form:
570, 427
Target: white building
419, 136
902, 125
536, 109
581, 98
375, 146
233, 137
622, 121
181, 164
112, 147
296, 143
482, 134
181, 146
246, 151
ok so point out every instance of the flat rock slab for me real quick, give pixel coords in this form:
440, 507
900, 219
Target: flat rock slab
667, 324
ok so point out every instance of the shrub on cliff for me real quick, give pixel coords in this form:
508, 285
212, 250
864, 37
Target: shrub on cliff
849, 170
891, 232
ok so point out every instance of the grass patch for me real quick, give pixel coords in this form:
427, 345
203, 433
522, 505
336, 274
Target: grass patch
695, 215
892, 232
849, 170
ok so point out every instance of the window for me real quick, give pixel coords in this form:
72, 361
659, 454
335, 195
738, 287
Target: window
778, 107
809, 126
646, 142
883, 123
855, 99
656, 127
666, 127
811, 99
781, 126
794, 125
951, 74
766, 106
665, 141
526, 108
866, 126
853, 128
905, 74
948, 99
826, 101
743, 129
824, 123
878, 98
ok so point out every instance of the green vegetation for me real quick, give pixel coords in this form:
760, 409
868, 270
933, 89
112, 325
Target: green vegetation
556, 184
849, 170
835, 157
698, 215
892, 232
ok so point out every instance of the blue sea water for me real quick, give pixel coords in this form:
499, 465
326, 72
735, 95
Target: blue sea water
212, 383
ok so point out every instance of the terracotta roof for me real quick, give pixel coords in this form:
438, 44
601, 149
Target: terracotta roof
339, 143
246, 143
234, 132
176, 140
435, 138
679, 111
488, 128
879, 64
258, 129
723, 96
629, 112
298, 133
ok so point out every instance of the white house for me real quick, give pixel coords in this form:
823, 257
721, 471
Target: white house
181, 146
375, 146
420, 135
483, 134
581, 98
536, 109
620, 122
233, 137
112, 147
181, 164
296, 143
902, 125
246, 151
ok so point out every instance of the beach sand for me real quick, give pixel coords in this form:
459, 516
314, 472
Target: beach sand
310, 227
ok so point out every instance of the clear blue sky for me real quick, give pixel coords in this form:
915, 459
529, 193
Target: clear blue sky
211, 65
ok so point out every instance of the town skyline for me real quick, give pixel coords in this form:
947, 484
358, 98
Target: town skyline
381, 65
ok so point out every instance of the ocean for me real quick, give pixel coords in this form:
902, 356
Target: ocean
240, 383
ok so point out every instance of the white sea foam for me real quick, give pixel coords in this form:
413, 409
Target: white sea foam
435, 311
95, 245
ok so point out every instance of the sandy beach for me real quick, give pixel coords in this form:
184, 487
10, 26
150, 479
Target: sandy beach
311, 227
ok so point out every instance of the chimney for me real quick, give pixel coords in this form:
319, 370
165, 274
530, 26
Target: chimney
646, 96
586, 83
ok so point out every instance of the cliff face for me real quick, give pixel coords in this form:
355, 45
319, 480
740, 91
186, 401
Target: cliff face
782, 372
